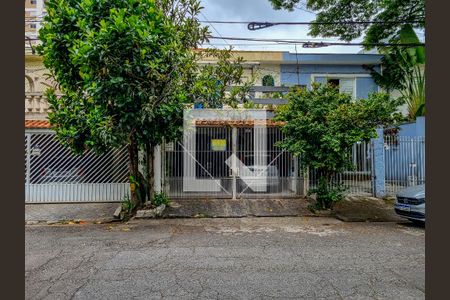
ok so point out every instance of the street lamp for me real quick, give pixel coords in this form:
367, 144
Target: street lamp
315, 45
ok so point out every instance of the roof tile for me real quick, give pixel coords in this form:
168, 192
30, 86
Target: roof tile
37, 124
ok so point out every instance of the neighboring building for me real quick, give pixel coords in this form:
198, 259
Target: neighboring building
289, 69
269, 68
36, 82
34, 12
205, 170
258, 64
345, 70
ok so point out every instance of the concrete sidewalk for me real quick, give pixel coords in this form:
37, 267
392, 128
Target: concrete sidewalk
352, 209
186, 208
183, 208
92, 212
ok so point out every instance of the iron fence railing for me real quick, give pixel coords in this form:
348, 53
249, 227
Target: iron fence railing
404, 162
359, 179
54, 174
264, 170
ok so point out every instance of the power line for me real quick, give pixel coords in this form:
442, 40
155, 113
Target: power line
279, 42
316, 44
316, 23
214, 28
289, 23
256, 25
249, 45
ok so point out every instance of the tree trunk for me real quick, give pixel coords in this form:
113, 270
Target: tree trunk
133, 168
328, 188
150, 160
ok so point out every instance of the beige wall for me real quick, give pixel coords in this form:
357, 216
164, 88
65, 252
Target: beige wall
255, 56
262, 63
258, 64
29, 5
35, 75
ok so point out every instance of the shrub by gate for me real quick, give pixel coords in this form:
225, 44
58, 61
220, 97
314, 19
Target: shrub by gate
360, 179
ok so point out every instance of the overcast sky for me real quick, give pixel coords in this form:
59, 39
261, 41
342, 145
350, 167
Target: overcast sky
261, 10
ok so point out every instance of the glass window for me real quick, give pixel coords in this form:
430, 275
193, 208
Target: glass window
268, 80
345, 85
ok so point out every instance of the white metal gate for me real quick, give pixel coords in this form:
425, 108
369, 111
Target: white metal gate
404, 162
225, 162
54, 174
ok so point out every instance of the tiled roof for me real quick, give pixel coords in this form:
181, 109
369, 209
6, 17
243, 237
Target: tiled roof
37, 124
238, 123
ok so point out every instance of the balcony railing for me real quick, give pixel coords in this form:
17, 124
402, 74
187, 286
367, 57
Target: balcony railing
267, 94
36, 104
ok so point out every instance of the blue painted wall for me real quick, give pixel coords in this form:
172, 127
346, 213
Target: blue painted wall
289, 76
416, 128
365, 86
333, 58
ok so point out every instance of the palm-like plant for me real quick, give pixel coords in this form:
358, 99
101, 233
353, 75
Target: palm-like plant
413, 92
404, 70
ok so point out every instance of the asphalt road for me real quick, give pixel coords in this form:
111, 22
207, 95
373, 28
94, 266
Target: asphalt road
248, 258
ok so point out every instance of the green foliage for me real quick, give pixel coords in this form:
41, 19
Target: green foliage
213, 79
252, 105
122, 67
359, 10
268, 80
273, 95
160, 198
414, 93
327, 193
321, 126
404, 70
127, 206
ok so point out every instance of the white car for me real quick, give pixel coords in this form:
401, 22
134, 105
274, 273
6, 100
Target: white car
259, 178
410, 203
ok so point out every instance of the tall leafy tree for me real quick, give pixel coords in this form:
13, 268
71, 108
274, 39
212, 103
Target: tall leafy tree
322, 125
350, 11
124, 68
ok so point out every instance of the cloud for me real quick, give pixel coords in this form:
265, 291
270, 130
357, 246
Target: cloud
261, 10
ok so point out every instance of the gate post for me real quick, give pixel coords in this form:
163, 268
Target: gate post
28, 162
28, 167
305, 181
234, 162
379, 168
157, 168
